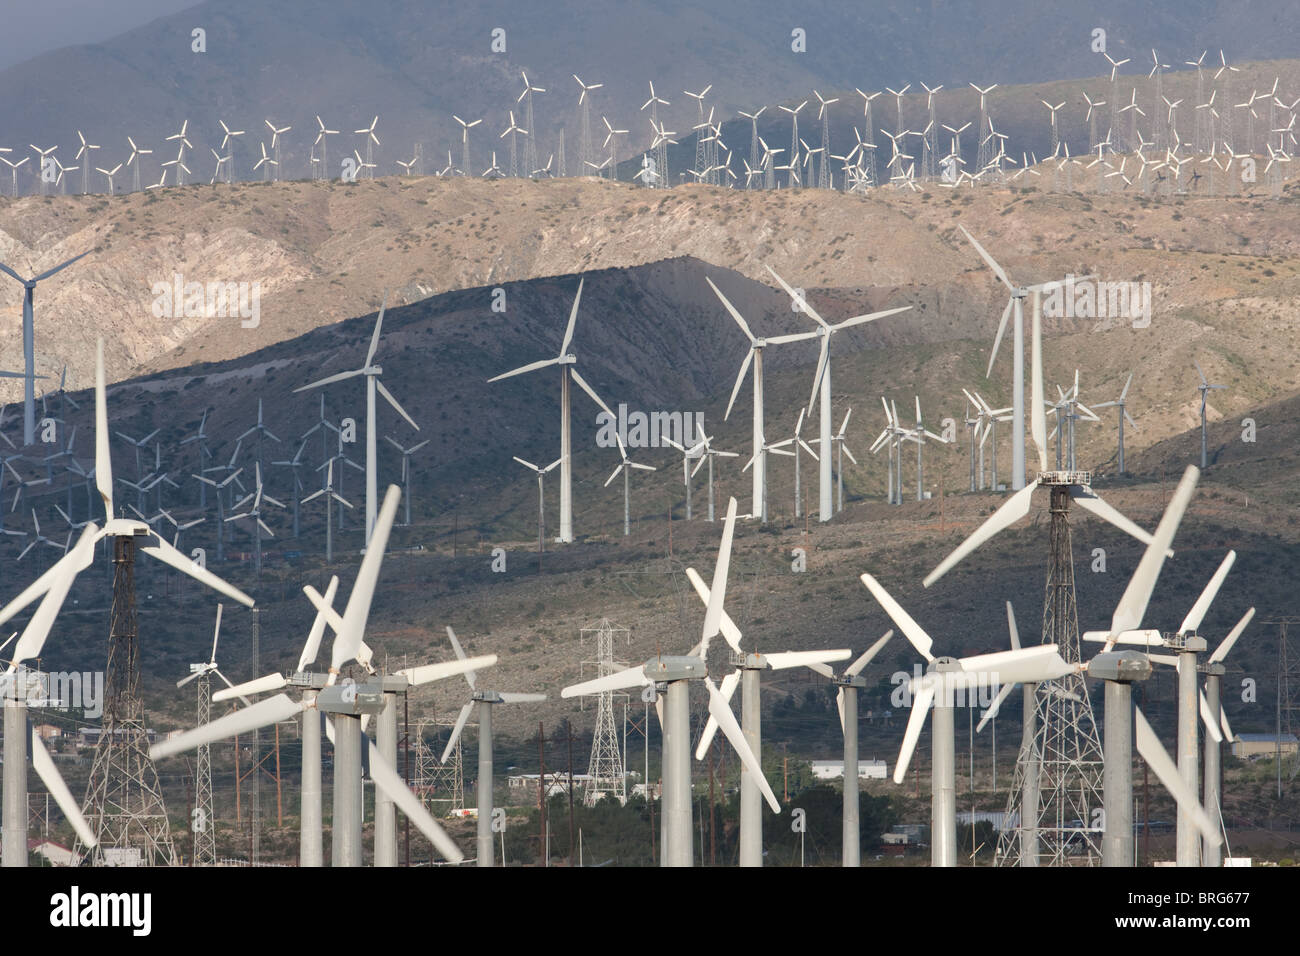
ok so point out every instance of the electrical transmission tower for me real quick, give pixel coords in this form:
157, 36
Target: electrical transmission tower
606, 772
438, 782
124, 803
204, 822
1058, 779
1288, 689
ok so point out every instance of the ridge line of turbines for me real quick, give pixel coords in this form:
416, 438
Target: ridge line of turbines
1225, 133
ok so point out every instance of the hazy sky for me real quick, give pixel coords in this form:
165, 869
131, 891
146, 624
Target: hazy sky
28, 29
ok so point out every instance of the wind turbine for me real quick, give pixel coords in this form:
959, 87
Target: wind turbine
466, 168
800, 443
766, 448
220, 486
179, 161
85, 150
323, 142
566, 360
938, 687
675, 674
371, 141
510, 130
256, 496
29, 342
406, 471
228, 134
1204, 388
747, 673
13, 172
1123, 415
372, 372
330, 493
345, 702
541, 497
695, 451
266, 162
822, 380
1014, 305
485, 699
625, 466
277, 132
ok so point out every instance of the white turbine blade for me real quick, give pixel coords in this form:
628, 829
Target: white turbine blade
1015, 508
392, 401
103, 457
311, 649
740, 378
513, 698
802, 300
619, 680
425, 673
1227, 728
348, 641
783, 660
1197, 614
730, 682
461, 719
390, 782
68, 567
1211, 723
911, 630
997, 340
614, 474
839, 706
259, 685
860, 319
721, 711
992, 712
856, 668
1090, 501
330, 380
718, 593
573, 318
921, 700
164, 552
1011, 627
997, 269
185, 680
1133, 604
531, 367
43, 763
730, 633
1225, 646
1021, 666
1148, 745
823, 359
582, 383
744, 326
262, 714
374, 336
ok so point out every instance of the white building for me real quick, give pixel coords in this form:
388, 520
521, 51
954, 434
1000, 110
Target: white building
834, 769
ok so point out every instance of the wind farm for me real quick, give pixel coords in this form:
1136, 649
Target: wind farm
927, 473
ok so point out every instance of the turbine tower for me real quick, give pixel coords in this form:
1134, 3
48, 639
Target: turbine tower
1204, 388
530, 144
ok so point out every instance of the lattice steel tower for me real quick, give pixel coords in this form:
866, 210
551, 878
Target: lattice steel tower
124, 803
1058, 780
606, 772
438, 782
204, 822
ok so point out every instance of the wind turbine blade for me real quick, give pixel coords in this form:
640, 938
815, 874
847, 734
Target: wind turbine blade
1091, 501
735, 390
513, 698
997, 269
348, 641
1211, 722
185, 680
856, 668
330, 380
619, 680
388, 780
43, 763
68, 567
531, 367
730, 633
1015, 508
994, 707
1011, 627
718, 593
392, 401
802, 300
1192, 622
1225, 646
921, 701
460, 655
823, 359
425, 673
461, 719
1148, 745
783, 660
103, 457
720, 710
860, 319
911, 630
262, 714
164, 552
374, 336
259, 685
1133, 604
730, 681
582, 383
744, 326
311, 649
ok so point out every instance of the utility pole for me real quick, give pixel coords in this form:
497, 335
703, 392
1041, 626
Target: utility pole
541, 795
